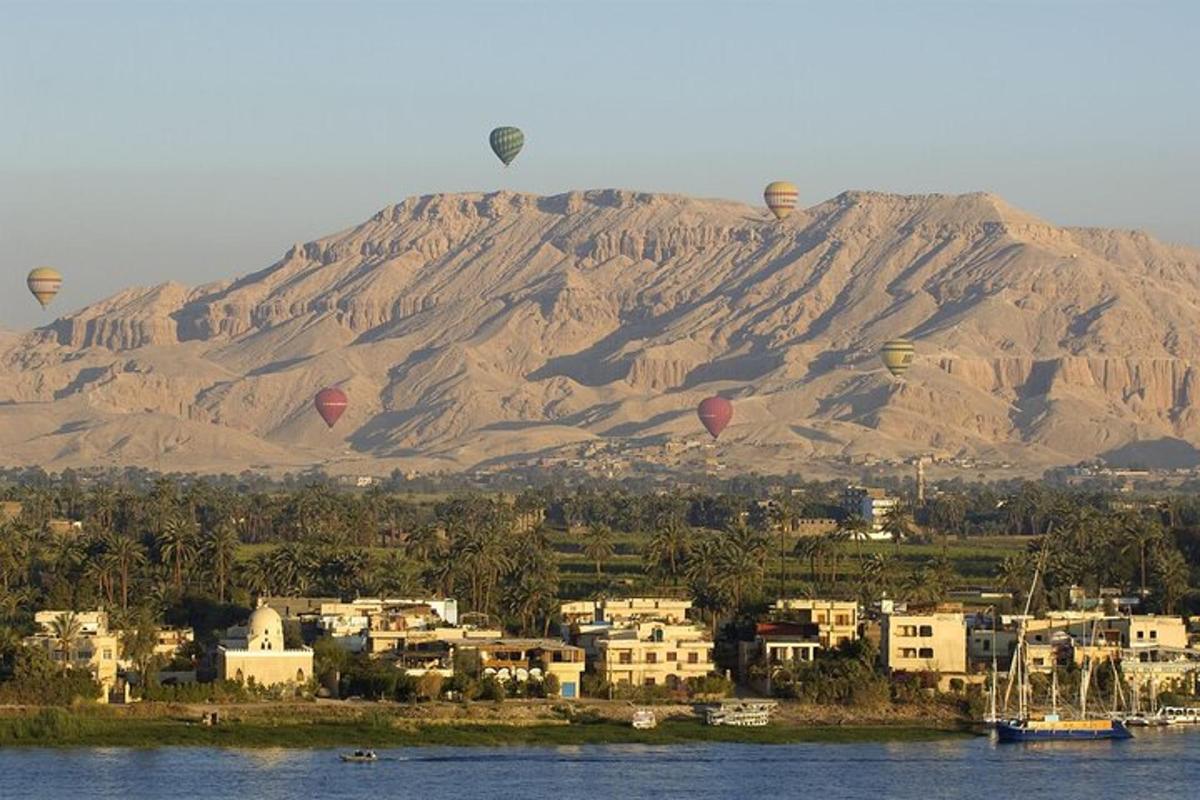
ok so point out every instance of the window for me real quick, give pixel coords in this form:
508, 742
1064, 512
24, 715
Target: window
927, 630
651, 658
987, 645
1141, 634
907, 630
841, 640
1153, 634
107, 654
842, 619
908, 652
625, 657
926, 652
649, 681
708, 656
693, 658
672, 656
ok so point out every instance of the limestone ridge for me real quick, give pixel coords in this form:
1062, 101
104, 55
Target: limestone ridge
475, 328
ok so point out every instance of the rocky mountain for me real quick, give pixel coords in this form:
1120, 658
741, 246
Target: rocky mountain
481, 329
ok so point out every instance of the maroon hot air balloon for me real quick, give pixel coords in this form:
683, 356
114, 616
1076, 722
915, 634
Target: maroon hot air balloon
331, 402
715, 413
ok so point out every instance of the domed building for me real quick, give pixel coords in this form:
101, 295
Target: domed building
255, 653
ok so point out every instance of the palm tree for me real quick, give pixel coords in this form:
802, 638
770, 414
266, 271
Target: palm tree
176, 544
125, 555
219, 549
668, 548
743, 562
598, 545
66, 628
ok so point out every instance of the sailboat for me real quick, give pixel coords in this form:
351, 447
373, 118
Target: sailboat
1049, 727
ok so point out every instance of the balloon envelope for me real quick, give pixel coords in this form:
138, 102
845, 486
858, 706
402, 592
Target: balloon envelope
715, 413
331, 402
897, 355
506, 143
781, 198
44, 283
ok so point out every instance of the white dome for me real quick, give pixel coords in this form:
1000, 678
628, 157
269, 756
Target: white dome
265, 629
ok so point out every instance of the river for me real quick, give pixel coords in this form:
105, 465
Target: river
1157, 764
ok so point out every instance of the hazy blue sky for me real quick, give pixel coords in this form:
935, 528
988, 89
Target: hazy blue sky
146, 141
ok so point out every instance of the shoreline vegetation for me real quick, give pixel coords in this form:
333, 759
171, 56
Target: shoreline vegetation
444, 724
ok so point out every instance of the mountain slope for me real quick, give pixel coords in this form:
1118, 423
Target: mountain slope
472, 329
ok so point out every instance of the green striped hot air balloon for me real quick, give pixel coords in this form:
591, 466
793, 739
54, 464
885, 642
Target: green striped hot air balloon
897, 355
506, 143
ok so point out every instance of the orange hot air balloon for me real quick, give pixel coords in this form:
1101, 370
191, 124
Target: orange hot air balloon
715, 413
781, 198
331, 403
44, 283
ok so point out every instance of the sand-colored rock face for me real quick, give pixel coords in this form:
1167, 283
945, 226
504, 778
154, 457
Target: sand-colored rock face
476, 328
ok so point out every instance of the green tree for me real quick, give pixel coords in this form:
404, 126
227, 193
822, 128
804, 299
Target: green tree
598, 545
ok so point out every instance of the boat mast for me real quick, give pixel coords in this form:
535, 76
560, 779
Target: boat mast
1053, 686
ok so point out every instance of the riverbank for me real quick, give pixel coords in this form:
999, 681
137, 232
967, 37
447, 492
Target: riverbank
381, 725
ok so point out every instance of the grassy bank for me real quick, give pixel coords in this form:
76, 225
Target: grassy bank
110, 728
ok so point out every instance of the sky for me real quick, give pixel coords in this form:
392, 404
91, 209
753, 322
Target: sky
142, 142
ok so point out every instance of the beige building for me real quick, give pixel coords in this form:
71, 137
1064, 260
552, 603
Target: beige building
255, 653
777, 646
924, 642
626, 610
654, 654
525, 659
93, 647
836, 620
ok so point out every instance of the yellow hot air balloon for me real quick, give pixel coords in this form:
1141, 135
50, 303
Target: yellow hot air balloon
781, 198
44, 283
897, 355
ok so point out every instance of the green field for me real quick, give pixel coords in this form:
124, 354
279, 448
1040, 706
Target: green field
976, 562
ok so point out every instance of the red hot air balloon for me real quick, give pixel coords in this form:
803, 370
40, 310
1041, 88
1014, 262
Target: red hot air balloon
715, 413
331, 402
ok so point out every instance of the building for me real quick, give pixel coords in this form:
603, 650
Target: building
624, 611
92, 647
1150, 671
376, 625
836, 620
1149, 630
776, 646
870, 504
525, 659
933, 641
255, 653
653, 654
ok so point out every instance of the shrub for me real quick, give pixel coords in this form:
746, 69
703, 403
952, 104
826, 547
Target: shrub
491, 689
710, 686
429, 686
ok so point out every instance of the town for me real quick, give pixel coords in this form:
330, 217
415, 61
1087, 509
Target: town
885, 603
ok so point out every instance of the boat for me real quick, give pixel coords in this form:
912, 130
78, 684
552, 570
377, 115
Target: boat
1052, 728
360, 757
644, 719
745, 714
1180, 715
1049, 727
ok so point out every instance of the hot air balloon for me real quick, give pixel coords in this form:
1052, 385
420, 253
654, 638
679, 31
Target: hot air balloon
715, 413
44, 283
781, 198
897, 355
506, 143
331, 402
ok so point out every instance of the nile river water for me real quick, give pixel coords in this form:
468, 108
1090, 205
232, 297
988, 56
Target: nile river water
1157, 764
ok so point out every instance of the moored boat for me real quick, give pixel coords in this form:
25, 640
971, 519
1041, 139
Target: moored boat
1053, 729
644, 719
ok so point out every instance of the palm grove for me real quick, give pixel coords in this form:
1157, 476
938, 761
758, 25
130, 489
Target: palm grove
196, 552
